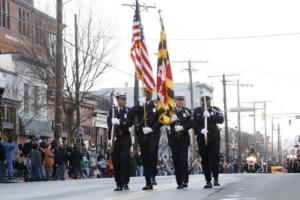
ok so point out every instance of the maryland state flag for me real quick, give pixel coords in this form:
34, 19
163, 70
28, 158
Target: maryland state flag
164, 84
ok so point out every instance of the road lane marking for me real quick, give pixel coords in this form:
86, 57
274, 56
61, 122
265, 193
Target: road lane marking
239, 199
237, 193
234, 195
145, 193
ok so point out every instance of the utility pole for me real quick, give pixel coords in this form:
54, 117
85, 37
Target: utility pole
254, 118
265, 126
272, 139
279, 145
58, 72
77, 84
227, 147
226, 119
265, 121
239, 125
272, 135
239, 118
190, 71
191, 83
136, 89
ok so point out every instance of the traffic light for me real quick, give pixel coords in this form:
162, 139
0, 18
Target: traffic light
290, 122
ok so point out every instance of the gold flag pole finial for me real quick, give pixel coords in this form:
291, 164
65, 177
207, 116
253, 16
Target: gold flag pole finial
159, 12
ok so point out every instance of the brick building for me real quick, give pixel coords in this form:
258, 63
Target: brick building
26, 37
87, 109
23, 27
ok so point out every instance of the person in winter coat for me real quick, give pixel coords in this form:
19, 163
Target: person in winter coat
2, 159
9, 147
139, 163
103, 166
60, 160
26, 153
92, 157
36, 162
49, 161
75, 159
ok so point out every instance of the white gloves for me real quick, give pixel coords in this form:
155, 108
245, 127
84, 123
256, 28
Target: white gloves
178, 128
206, 114
204, 131
174, 118
142, 101
168, 128
109, 143
147, 130
115, 121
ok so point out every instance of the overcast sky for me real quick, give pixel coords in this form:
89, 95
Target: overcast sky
203, 30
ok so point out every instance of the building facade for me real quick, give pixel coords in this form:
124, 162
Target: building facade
87, 109
100, 135
24, 100
23, 27
26, 37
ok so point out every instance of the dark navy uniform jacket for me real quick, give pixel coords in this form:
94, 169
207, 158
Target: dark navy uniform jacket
137, 114
216, 117
122, 130
184, 116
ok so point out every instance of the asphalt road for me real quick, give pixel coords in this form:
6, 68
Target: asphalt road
234, 187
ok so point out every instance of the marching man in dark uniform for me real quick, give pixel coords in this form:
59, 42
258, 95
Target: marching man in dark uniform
205, 125
179, 141
147, 133
118, 123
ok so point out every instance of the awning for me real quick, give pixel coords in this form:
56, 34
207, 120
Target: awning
7, 125
37, 127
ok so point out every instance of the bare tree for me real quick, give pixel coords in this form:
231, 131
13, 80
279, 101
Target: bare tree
34, 66
38, 62
94, 58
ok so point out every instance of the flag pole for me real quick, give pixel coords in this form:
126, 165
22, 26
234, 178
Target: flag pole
145, 110
159, 12
205, 122
143, 84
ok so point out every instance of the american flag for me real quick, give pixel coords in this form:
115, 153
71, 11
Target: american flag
139, 53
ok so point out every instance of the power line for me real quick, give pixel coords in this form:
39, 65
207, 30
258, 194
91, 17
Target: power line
169, 39
184, 49
64, 3
216, 38
70, 43
242, 37
256, 72
54, 33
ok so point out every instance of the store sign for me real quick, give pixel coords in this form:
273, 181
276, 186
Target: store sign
13, 39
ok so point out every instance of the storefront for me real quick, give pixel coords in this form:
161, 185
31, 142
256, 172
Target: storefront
8, 113
37, 128
100, 130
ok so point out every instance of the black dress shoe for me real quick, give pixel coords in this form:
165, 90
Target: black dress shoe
154, 181
208, 185
148, 187
185, 185
125, 187
119, 188
180, 187
216, 183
